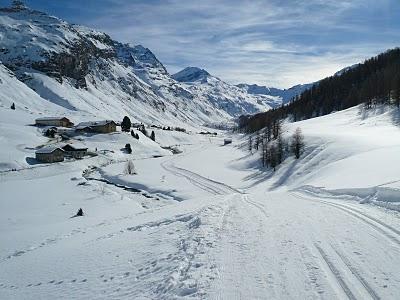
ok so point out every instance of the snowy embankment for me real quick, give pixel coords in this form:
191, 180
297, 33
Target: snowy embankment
351, 154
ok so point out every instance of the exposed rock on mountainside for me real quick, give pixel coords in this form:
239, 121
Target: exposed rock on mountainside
83, 70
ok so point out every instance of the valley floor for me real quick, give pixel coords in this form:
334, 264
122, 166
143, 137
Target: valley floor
206, 225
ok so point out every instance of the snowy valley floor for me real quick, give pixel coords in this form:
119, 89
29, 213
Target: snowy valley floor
208, 224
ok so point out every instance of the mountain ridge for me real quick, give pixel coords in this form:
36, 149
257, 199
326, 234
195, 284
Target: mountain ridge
285, 94
81, 69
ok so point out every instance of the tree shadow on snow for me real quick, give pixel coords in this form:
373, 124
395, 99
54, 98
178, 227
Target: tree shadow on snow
286, 175
259, 173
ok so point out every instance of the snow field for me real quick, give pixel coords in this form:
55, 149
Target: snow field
207, 223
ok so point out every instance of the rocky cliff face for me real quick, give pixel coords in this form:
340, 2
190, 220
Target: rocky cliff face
73, 64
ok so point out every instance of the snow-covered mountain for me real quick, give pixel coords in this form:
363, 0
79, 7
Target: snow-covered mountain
192, 74
224, 96
284, 95
83, 70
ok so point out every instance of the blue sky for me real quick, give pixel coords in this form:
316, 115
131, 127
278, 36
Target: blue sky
272, 42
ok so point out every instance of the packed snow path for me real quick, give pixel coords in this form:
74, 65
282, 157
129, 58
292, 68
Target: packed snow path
230, 242
281, 245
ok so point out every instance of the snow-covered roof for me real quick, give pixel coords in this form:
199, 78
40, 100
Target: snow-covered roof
48, 150
74, 147
51, 119
94, 123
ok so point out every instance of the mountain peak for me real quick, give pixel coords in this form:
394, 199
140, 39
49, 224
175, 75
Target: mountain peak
191, 74
18, 4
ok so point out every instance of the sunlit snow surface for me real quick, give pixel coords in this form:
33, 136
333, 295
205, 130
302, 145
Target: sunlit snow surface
207, 223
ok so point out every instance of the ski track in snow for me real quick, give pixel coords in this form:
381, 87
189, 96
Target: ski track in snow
206, 184
336, 273
360, 278
386, 230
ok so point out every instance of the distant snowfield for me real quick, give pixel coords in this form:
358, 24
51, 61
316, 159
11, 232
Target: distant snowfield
206, 223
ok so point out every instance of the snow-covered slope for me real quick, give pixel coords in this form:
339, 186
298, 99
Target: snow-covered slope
80, 69
350, 149
351, 154
283, 95
230, 98
14, 91
206, 223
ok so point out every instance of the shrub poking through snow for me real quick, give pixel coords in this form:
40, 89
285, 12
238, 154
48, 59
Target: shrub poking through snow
130, 168
153, 136
128, 148
79, 213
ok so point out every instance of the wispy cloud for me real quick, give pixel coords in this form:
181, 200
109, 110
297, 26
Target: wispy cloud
272, 42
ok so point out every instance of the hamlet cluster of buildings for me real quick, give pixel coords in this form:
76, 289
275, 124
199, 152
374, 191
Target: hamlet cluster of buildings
57, 154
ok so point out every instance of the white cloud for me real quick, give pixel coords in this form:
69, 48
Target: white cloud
266, 42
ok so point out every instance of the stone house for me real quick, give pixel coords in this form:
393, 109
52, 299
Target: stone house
50, 154
54, 121
74, 151
106, 126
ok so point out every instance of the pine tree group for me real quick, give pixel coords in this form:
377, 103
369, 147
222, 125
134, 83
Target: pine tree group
274, 148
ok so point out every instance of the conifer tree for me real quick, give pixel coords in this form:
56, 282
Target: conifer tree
297, 145
250, 144
126, 124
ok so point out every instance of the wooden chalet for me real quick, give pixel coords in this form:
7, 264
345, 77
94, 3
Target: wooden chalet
50, 154
106, 126
54, 121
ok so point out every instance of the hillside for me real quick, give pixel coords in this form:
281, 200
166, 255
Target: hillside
376, 81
